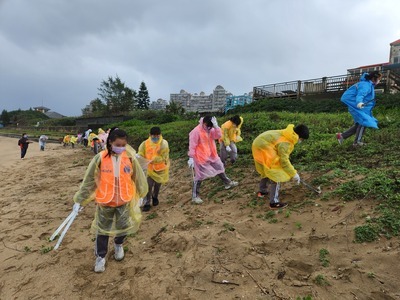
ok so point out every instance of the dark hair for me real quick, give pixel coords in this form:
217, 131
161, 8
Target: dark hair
23, 134
207, 121
114, 134
373, 75
155, 131
302, 131
236, 119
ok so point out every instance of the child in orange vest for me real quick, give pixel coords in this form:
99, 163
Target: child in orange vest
156, 152
115, 180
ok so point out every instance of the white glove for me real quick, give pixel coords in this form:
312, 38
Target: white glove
296, 178
191, 163
360, 105
228, 149
137, 155
214, 122
76, 208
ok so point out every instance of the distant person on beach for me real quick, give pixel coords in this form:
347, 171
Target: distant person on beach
203, 157
86, 137
230, 136
271, 151
42, 141
115, 181
360, 99
155, 151
23, 143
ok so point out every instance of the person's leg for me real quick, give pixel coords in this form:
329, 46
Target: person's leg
101, 245
359, 134
274, 202
147, 199
196, 188
156, 190
263, 187
351, 131
233, 155
227, 182
23, 152
222, 152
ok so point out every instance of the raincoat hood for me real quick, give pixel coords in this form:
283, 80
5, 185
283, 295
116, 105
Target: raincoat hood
290, 134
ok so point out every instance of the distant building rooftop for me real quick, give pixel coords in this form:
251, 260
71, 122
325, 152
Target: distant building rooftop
53, 115
41, 108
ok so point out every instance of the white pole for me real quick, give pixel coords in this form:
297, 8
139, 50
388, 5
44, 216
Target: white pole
61, 226
65, 230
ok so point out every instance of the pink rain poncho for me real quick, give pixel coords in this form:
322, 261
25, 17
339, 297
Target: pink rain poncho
202, 149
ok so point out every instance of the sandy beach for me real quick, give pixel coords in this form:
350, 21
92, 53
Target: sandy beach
223, 249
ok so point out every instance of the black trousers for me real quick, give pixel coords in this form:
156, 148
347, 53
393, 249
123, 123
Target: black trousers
102, 244
23, 152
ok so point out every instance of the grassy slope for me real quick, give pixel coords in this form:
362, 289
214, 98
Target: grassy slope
370, 172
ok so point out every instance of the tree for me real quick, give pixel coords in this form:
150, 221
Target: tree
5, 117
96, 107
143, 97
117, 97
175, 108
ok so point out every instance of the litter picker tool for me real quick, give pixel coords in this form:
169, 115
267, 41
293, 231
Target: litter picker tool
67, 223
309, 186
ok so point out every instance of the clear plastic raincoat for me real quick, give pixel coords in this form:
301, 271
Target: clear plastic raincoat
231, 133
363, 91
157, 156
271, 151
115, 183
202, 149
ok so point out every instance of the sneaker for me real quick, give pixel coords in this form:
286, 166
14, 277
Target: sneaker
146, 207
261, 195
197, 200
119, 252
100, 265
279, 205
155, 201
359, 144
231, 184
339, 138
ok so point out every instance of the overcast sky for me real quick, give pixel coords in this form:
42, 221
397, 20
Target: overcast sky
57, 52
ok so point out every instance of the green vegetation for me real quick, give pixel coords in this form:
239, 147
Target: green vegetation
321, 280
323, 257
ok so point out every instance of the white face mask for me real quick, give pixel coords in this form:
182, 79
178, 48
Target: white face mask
300, 140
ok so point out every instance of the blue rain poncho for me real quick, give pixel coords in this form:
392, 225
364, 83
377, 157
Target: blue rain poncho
363, 91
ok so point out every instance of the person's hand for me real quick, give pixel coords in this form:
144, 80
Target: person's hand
137, 155
191, 163
214, 122
296, 178
228, 149
76, 208
360, 105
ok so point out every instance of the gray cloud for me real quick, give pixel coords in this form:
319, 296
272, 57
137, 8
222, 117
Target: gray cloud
58, 52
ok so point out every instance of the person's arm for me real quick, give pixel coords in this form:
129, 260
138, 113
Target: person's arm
363, 89
142, 149
193, 142
283, 153
86, 191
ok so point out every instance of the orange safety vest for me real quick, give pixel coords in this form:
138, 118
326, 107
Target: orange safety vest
206, 147
151, 151
105, 192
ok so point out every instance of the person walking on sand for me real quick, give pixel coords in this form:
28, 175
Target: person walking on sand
360, 99
230, 136
115, 181
86, 137
156, 152
203, 157
271, 151
42, 141
23, 143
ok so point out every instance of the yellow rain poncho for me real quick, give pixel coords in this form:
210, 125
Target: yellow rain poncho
231, 132
115, 213
271, 151
67, 139
157, 156
74, 139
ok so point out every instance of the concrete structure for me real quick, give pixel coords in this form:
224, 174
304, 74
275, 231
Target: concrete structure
233, 101
160, 104
42, 109
202, 103
394, 56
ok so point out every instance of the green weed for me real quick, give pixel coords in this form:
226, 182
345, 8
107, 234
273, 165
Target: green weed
321, 280
323, 257
152, 216
229, 227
